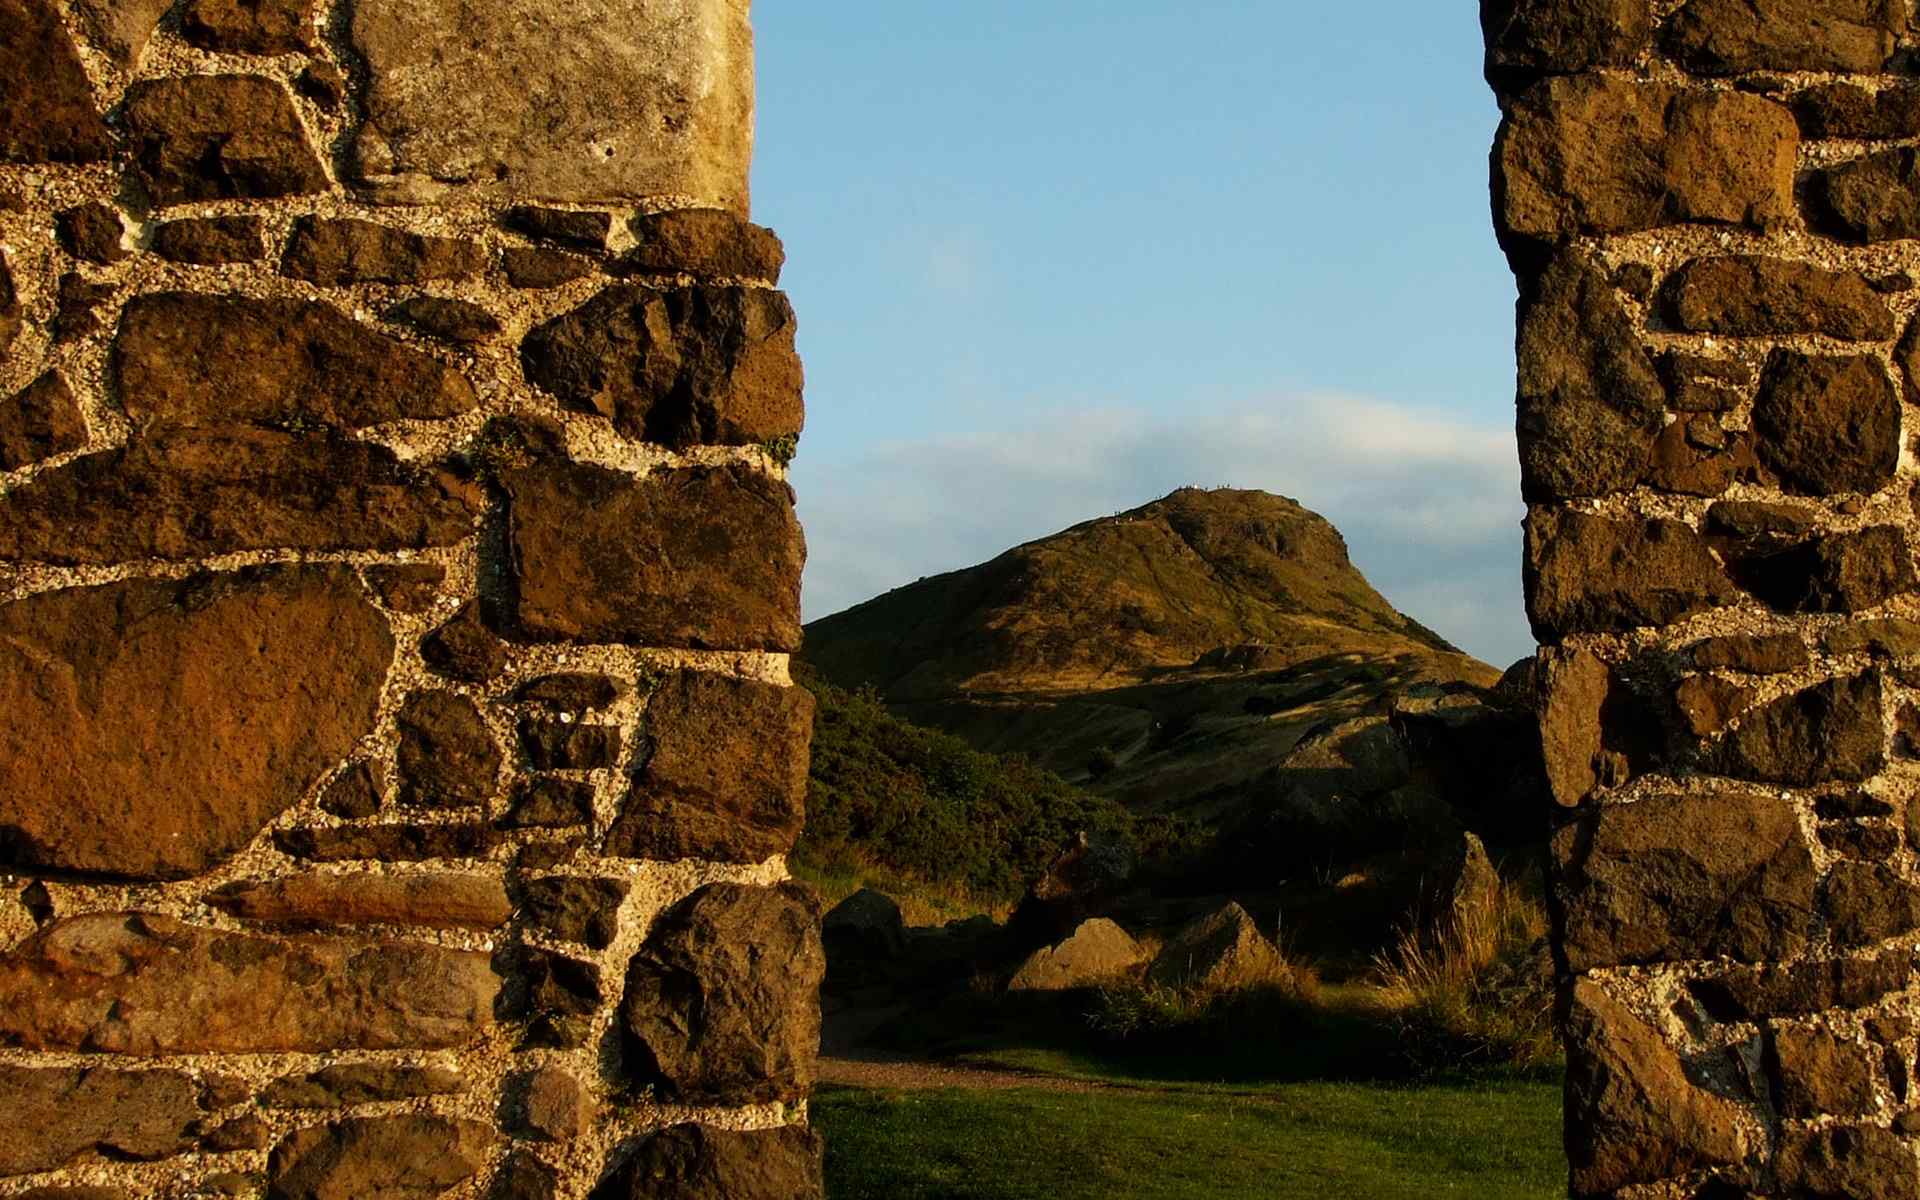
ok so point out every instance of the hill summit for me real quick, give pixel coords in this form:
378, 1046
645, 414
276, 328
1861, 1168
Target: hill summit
1169, 656
1203, 577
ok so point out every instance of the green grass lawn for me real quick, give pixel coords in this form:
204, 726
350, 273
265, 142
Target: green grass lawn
1310, 1141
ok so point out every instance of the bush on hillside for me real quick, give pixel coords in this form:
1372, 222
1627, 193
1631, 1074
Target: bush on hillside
923, 804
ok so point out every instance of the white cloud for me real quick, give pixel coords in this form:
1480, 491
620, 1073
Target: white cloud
1429, 504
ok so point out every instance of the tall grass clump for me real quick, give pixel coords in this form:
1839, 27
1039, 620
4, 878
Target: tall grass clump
1474, 989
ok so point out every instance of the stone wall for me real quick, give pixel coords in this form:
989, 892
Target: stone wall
1712, 207
397, 577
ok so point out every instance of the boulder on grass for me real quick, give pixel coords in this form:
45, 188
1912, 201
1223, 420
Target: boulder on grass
1223, 949
1097, 952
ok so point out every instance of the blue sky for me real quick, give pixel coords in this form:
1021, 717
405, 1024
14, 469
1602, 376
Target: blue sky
1054, 259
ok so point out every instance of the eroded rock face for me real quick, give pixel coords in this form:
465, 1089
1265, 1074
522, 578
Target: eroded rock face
1838, 573
727, 779
184, 359
186, 493
1817, 1074
1633, 1116
390, 843
47, 111
1098, 952
1224, 949
692, 1162
405, 1157
632, 110
59, 1116
699, 557
219, 137
722, 1003
141, 984
155, 727
1685, 877
1599, 154
693, 366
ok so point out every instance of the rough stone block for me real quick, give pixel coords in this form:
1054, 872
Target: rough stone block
1598, 154
1860, 1162
688, 367
574, 909
58, 1116
692, 1162
211, 241
727, 779
709, 243
184, 359
249, 26
464, 648
701, 557
1844, 572
182, 494
633, 109
1848, 110
39, 422
1867, 903
547, 803
1818, 1075
1802, 988
1592, 574
442, 901
1732, 37
1751, 296
140, 984
1633, 1115
47, 110
154, 727
405, 1157
1827, 424
1831, 732
1685, 877
1590, 401
345, 250
347, 1084
219, 137
569, 745
1870, 199
722, 1003
447, 756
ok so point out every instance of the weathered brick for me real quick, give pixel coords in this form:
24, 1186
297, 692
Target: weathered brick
346, 250
1751, 296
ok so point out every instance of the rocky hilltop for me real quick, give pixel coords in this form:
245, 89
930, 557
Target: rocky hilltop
1177, 656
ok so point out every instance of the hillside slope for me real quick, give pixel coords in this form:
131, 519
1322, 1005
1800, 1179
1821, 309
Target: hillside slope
1172, 657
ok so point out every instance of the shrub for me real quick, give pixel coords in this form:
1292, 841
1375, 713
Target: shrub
893, 796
